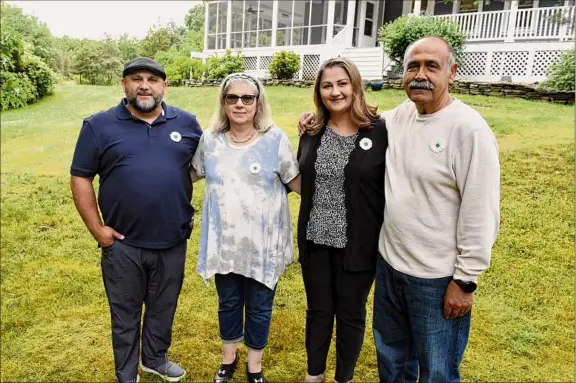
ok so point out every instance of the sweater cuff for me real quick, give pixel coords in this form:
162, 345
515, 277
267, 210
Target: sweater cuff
463, 276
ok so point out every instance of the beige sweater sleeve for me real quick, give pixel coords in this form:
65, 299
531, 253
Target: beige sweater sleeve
477, 171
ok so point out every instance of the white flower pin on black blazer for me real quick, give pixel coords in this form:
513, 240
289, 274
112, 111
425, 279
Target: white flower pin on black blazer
366, 143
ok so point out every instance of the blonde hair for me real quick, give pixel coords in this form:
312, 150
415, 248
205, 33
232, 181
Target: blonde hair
262, 118
362, 114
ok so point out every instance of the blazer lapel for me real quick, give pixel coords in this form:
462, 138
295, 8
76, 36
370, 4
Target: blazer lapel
363, 144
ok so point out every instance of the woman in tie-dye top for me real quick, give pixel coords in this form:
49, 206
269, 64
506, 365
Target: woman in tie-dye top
246, 240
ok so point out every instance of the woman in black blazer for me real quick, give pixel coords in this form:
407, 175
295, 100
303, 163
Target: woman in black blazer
341, 213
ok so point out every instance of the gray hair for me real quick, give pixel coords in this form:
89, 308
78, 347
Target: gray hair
451, 55
262, 118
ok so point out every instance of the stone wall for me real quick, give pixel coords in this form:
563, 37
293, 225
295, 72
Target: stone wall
502, 89
497, 89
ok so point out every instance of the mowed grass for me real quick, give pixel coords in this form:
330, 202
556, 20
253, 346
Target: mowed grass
55, 318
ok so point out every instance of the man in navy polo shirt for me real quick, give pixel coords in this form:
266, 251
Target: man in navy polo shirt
141, 150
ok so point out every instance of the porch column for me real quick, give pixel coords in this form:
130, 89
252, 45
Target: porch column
417, 7
563, 32
478, 21
206, 18
535, 19
406, 4
456, 7
350, 16
228, 24
512, 21
330, 26
430, 7
274, 22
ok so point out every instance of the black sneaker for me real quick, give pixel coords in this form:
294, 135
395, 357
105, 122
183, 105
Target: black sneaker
226, 371
255, 377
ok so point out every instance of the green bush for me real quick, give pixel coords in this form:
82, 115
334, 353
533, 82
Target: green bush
397, 35
39, 74
284, 65
197, 69
11, 50
17, 90
24, 77
561, 75
219, 67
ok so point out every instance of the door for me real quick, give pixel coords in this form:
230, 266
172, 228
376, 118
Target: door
368, 31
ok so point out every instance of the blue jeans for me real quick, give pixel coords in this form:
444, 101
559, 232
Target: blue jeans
410, 331
237, 293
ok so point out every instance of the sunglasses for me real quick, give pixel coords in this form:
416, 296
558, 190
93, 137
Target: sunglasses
247, 99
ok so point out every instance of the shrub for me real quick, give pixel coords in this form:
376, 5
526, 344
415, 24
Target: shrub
11, 50
561, 75
24, 77
284, 65
17, 90
219, 67
397, 35
39, 74
197, 69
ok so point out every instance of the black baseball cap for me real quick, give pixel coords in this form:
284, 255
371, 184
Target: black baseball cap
143, 63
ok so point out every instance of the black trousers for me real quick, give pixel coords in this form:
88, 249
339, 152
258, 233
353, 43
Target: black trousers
332, 291
132, 277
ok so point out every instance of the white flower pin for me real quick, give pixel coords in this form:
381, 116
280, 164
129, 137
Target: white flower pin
366, 143
254, 168
437, 145
175, 136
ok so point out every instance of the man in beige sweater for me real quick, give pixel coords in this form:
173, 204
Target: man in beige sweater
441, 218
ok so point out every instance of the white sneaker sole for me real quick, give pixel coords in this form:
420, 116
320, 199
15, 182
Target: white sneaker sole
167, 378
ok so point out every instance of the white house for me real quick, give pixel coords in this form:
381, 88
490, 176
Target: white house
516, 38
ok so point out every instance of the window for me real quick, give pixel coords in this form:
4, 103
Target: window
251, 12
468, 6
217, 19
265, 24
369, 19
236, 27
284, 28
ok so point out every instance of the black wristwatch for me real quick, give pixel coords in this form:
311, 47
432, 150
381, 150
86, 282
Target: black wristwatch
466, 286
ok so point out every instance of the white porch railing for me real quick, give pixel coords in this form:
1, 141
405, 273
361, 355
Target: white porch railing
551, 23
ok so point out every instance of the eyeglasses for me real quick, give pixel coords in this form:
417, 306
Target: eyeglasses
247, 99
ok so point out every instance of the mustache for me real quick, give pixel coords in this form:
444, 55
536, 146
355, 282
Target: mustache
421, 85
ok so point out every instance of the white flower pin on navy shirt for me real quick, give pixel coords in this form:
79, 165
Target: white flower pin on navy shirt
366, 143
437, 145
254, 168
175, 136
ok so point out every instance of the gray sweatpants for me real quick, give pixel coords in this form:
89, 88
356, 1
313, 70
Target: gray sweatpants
132, 277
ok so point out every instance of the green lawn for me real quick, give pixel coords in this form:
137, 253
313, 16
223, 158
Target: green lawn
55, 319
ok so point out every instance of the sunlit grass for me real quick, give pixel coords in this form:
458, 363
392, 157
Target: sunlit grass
55, 318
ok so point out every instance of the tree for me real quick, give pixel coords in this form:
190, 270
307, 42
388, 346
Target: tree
129, 47
98, 62
66, 48
32, 31
24, 77
194, 19
161, 38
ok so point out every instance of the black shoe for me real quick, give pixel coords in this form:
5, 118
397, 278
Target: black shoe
226, 371
255, 377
